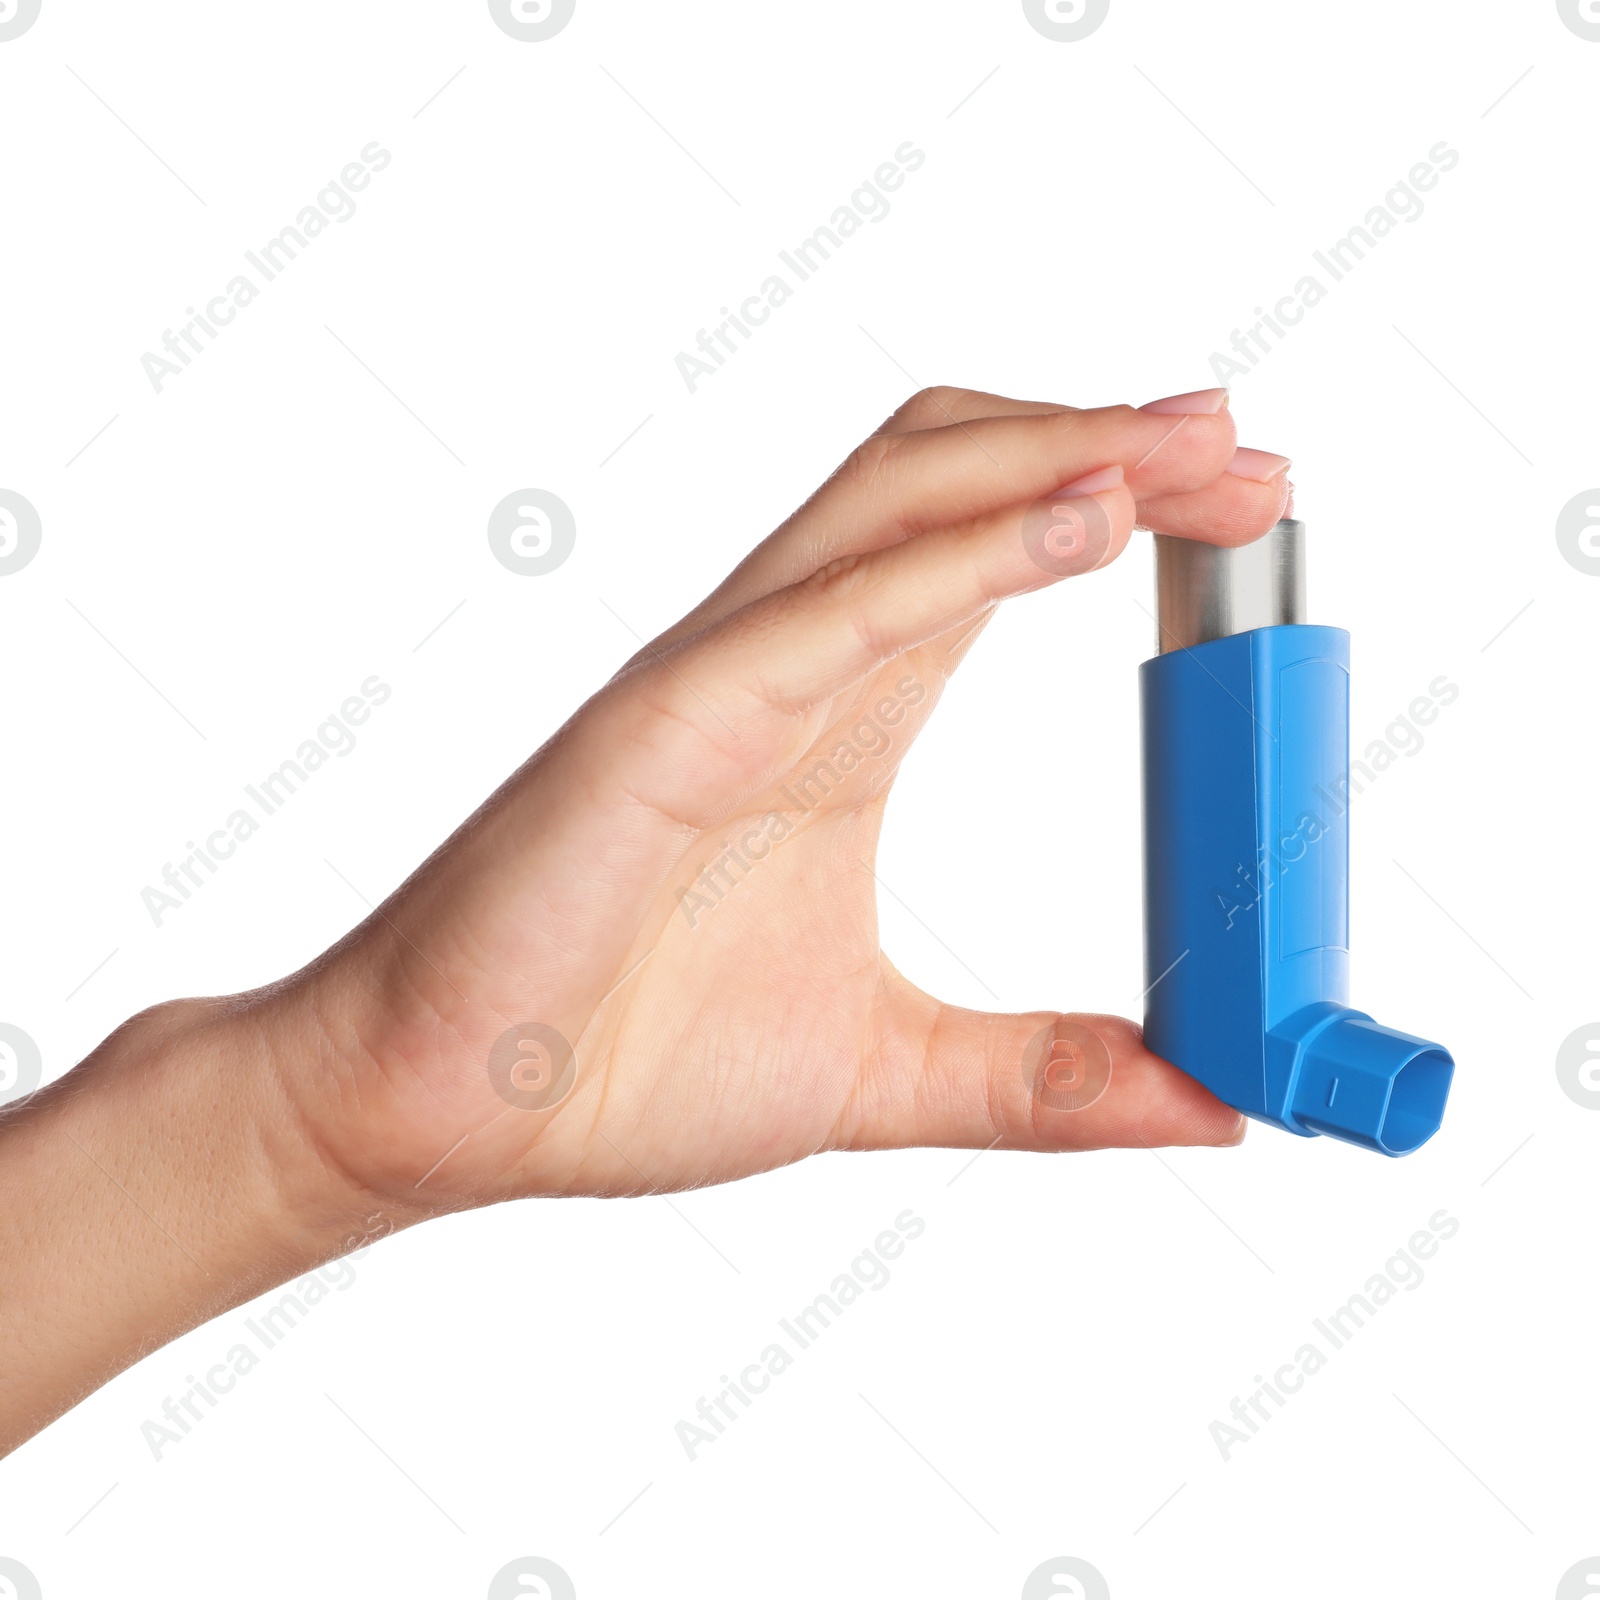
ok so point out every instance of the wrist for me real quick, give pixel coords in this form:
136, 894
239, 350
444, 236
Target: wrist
170, 1171
221, 1073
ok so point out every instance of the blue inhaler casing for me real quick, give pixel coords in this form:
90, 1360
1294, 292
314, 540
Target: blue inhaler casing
1246, 713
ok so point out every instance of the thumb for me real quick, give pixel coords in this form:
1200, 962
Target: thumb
1038, 1080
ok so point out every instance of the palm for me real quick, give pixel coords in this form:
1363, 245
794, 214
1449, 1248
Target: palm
744, 1010
765, 1003
742, 1042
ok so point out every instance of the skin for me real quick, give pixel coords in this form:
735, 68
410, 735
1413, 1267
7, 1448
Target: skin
211, 1149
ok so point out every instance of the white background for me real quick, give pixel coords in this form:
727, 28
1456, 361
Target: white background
229, 559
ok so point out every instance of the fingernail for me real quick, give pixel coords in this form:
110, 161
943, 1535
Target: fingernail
1093, 483
1197, 403
1259, 466
1288, 505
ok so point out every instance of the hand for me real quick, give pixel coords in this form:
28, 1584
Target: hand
674, 903
650, 960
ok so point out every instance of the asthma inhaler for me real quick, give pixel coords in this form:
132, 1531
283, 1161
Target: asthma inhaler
1246, 713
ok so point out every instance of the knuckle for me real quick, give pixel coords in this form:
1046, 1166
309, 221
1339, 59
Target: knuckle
929, 407
850, 584
874, 642
865, 466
